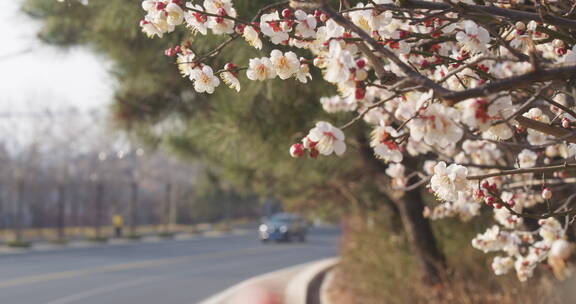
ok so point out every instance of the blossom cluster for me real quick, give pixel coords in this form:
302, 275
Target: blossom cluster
497, 147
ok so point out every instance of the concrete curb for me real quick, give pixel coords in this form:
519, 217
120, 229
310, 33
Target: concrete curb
46, 246
288, 286
304, 288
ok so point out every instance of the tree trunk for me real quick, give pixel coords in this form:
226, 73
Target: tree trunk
411, 207
432, 261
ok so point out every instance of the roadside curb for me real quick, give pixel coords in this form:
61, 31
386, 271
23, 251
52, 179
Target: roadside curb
292, 284
305, 287
47, 246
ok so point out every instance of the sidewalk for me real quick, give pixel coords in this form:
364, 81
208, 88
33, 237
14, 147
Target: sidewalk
292, 285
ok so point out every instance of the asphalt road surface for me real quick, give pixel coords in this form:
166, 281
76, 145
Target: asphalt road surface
165, 272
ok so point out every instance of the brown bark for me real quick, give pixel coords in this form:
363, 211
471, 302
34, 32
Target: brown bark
411, 207
422, 240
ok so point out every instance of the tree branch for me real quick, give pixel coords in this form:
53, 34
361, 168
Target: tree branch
547, 129
548, 169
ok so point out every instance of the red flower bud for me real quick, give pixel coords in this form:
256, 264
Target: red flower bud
286, 13
297, 150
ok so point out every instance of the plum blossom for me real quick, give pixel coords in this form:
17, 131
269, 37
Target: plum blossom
336, 104
231, 80
204, 79
524, 268
474, 38
151, 29
260, 69
220, 25
464, 208
527, 159
252, 37
306, 24
550, 230
502, 265
493, 239
285, 65
338, 63
328, 139
448, 182
480, 114
196, 20
271, 26
185, 61
303, 73
536, 137
384, 145
436, 125
175, 14
397, 173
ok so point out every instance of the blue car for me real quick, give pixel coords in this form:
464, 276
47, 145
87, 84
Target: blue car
283, 227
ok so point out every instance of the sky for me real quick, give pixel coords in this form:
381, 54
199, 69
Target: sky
34, 76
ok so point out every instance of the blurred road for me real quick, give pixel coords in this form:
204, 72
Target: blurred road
165, 272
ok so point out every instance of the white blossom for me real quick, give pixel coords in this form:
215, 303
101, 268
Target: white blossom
204, 79
448, 182
328, 139
285, 65
260, 69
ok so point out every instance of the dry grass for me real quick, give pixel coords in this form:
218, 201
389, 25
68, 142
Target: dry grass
377, 268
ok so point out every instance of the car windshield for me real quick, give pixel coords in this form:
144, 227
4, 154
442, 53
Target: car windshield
282, 219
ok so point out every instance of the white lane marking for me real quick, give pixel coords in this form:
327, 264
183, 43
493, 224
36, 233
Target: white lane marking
102, 290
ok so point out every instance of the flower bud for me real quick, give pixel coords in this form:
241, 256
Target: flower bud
360, 75
565, 123
478, 195
489, 200
286, 13
360, 93
558, 43
229, 66
547, 193
297, 150
520, 26
160, 5
170, 52
239, 28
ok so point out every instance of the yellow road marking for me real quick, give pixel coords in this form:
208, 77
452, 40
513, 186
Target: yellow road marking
128, 266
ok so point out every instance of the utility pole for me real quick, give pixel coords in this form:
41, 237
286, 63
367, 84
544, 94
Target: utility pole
134, 207
18, 223
99, 187
61, 208
167, 206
